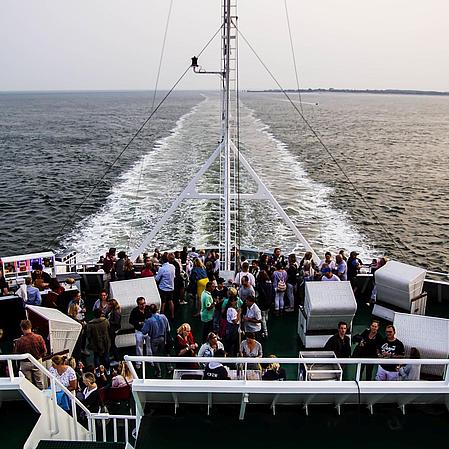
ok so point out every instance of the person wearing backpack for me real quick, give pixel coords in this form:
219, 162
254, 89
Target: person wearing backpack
280, 287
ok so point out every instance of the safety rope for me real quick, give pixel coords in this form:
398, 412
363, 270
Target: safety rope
321, 142
142, 126
293, 55
156, 86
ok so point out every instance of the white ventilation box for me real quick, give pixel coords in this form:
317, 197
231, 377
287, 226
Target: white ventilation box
398, 283
127, 292
327, 303
428, 334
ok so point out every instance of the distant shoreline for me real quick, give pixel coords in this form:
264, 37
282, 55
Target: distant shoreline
290, 91
357, 91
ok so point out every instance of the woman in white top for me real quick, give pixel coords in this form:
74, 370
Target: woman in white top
251, 348
90, 396
64, 373
231, 339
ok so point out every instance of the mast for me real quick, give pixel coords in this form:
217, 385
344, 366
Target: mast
228, 210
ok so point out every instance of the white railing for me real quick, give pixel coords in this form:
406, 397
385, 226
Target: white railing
102, 418
244, 389
75, 403
244, 361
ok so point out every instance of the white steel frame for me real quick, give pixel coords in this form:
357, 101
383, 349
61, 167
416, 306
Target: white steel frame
230, 158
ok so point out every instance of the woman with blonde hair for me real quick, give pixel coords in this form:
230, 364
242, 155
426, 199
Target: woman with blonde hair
185, 345
274, 371
90, 397
126, 373
74, 309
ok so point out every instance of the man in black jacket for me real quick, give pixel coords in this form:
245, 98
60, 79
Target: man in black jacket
339, 343
137, 317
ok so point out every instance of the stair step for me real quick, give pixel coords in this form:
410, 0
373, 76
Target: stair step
53, 444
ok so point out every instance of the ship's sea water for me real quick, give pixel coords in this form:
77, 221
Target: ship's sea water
55, 147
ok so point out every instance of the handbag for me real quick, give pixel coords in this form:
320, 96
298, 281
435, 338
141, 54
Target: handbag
63, 400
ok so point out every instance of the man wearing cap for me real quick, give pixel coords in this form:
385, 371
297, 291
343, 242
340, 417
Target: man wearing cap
327, 274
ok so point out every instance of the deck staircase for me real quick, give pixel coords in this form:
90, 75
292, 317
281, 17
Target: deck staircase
53, 423
56, 425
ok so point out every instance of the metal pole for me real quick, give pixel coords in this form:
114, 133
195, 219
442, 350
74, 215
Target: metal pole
227, 155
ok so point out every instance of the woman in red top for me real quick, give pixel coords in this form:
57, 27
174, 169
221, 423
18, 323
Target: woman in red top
185, 346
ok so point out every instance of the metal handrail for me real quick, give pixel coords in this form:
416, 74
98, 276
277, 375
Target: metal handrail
38, 365
91, 417
359, 361
288, 360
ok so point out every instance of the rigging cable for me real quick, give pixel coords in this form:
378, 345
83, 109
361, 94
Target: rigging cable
315, 213
312, 130
139, 130
293, 55
152, 107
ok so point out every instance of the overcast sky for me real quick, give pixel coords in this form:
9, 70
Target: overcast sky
116, 44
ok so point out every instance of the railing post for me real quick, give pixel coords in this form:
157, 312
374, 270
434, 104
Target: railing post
359, 369
55, 405
126, 431
10, 370
89, 428
74, 416
446, 374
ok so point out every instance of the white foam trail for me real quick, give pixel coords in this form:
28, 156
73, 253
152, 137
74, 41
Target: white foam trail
113, 224
305, 200
126, 216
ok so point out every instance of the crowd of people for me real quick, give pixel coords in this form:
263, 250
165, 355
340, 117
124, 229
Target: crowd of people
233, 315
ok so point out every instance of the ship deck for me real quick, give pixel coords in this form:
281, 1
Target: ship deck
322, 427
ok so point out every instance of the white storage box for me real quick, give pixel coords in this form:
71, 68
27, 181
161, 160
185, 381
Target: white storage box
398, 283
327, 303
127, 292
60, 330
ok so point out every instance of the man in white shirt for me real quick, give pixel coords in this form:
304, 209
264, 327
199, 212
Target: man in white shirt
340, 268
245, 272
252, 321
